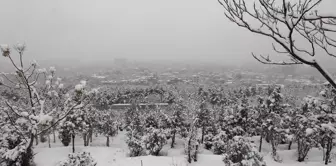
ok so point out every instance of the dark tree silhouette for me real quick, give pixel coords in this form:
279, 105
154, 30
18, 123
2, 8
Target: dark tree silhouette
287, 23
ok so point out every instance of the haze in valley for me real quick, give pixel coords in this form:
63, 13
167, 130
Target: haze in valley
95, 32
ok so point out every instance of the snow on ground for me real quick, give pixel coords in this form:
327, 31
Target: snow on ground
116, 154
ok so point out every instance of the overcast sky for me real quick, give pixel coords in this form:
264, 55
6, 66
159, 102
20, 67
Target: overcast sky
103, 29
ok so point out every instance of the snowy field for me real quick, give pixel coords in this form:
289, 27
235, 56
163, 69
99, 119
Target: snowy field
116, 154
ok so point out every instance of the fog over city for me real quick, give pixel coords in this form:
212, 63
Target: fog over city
98, 31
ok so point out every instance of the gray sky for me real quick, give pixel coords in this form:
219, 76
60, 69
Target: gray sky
103, 29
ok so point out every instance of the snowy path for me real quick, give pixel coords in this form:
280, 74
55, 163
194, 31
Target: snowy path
51, 156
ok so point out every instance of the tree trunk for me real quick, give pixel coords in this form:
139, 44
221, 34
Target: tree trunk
91, 134
290, 145
189, 150
302, 149
274, 144
88, 139
54, 135
328, 152
73, 143
323, 147
300, 159
49, 140
260, 143
28, 155
36, 139
267, 137
195, 154
84, 138
107, 141
203, 132
173, 139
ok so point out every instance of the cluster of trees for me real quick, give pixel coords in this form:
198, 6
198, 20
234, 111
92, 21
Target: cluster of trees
195, 120
222, 127
88, 122
121, 95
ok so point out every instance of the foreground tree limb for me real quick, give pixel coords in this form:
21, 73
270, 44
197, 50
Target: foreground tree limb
286, 23
41, 107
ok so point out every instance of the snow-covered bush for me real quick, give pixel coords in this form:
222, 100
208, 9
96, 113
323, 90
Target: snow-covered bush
79, 159
242, 152
13, 151
64, 135
183, 131
219, 142
208, 141
134, 143
151, 121
154, 140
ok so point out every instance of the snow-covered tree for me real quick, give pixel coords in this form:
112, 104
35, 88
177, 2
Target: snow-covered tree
107, 125
204, 120
177, 122
43, 104
328, 137
135, 132
305, 135
191, 143
274, 133
306, 127
327, 120
77, 122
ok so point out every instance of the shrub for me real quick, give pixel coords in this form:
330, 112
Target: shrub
43, 138
242, 152
183, 132
219, 142
208, 141
134, 143
79, 159
154, 140
65, 137
14, 152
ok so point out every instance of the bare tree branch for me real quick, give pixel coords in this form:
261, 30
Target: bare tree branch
267, 61
286, 22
